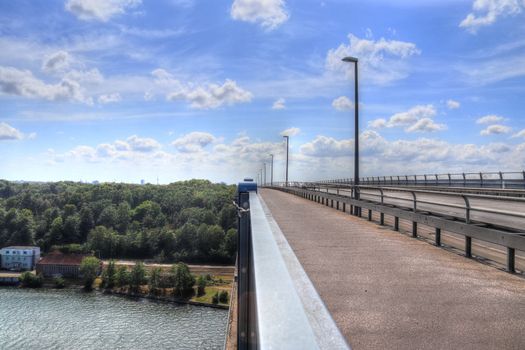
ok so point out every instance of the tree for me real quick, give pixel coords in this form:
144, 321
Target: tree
230, 242
201, 285
109, 275
56, 232
122, 278
71, 229
89, 268
155, 280
138, 276
86, 222
108, 216
183, 280
123, 217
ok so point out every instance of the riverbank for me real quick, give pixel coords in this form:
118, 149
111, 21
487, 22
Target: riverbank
164, 299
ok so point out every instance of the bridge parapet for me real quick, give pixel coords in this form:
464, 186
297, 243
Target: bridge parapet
278, 307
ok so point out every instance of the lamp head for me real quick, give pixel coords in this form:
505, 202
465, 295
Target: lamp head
350, 59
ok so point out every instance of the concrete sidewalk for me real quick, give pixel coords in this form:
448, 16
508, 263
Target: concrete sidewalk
386, 290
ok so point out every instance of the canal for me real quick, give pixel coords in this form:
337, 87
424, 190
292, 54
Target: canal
72, 319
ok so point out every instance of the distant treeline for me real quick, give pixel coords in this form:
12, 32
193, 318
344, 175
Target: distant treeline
192, 221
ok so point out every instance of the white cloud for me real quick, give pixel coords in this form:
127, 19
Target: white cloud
324, 146
416, 119
451, 104
495, 129
489, 119
139, 144
57, 62
99, 10
211, 95
426, 125
18, 82
519, 134
205, 96
109, 98
268, 13
342, 103
290, 132
280, 103
378, 123
486, 12
7, 132
381, 62
193, 142
91, 76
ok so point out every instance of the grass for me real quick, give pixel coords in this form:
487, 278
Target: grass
209, 293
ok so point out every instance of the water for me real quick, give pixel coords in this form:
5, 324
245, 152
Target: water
71, 319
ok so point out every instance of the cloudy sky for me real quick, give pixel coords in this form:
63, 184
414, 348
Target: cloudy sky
124, 90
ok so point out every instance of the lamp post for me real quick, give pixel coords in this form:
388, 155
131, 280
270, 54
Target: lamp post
271, 172
356, 127
287, 147
264, 172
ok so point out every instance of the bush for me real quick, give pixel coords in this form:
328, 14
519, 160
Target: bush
223, 297
215, 298
201, 285
28, 280
89, 268
59, 282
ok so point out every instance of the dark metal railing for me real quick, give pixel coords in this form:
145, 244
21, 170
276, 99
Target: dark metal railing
504, 180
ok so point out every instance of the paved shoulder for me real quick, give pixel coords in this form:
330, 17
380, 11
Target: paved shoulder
388, 291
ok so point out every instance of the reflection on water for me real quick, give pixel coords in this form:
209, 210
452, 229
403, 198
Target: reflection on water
70, 319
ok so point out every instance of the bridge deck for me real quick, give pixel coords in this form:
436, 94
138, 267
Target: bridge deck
388, 291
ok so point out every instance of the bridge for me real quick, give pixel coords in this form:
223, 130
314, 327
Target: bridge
391, 263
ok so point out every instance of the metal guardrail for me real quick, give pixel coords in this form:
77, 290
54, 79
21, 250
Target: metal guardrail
509, 180
435, 214
278, 307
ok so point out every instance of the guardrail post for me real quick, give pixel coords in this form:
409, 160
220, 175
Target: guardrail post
344, 207
438, 237
396, 223
245, 336
467, 209
414, 229
481, 179
511, 253
369, 214
468, 247
337, 205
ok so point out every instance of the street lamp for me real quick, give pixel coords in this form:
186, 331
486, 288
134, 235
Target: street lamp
287, 147
271, 172
264, 167
356, 127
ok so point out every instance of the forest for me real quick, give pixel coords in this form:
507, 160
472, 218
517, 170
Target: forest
189, 221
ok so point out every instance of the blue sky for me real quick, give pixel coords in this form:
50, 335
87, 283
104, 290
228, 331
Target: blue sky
125, 90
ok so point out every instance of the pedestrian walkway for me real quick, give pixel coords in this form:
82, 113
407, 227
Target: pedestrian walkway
386, 290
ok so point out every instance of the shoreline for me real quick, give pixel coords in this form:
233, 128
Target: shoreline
164, 299
128, 295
